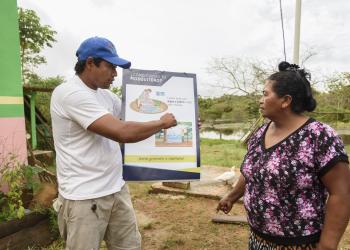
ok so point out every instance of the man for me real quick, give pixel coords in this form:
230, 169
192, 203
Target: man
94, 202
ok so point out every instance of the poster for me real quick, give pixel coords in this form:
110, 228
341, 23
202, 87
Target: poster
171, 154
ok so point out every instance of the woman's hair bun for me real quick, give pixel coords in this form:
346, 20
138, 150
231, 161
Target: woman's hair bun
283, 66
310, 104
286, 66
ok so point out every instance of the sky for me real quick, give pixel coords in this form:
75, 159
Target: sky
186, 35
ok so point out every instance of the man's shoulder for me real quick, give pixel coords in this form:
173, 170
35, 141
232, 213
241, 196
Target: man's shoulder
68, 88
108, 94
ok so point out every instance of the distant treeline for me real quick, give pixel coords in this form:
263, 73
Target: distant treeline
332, 106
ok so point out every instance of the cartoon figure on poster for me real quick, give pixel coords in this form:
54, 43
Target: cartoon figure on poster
145, 104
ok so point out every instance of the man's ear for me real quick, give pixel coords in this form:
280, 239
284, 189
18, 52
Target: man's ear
89, 63
287, 101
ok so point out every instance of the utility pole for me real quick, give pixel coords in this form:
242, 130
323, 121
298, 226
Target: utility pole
297, 32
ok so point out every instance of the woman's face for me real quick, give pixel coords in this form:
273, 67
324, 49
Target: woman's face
270, 103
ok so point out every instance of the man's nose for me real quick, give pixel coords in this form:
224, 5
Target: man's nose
115, 73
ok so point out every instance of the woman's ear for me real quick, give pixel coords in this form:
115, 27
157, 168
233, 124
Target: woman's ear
287, 101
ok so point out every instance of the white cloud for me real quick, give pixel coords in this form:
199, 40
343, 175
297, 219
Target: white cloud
184, 35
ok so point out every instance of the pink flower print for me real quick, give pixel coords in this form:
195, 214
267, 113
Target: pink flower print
300, 201
271, 197
273, 227
309, 229
273, 165
329, 131
304, 181
262, 171
314, 126
306, 210
246, 200
306, 232
327, 158
305, 154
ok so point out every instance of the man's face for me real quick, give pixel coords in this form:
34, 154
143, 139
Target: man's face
104, 74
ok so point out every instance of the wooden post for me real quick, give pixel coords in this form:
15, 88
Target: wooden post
176, 184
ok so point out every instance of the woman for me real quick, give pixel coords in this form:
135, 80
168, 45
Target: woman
293, 164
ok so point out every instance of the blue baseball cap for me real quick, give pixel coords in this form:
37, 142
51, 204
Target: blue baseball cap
102, 48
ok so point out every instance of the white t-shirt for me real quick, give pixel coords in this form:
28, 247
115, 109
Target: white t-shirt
88, 165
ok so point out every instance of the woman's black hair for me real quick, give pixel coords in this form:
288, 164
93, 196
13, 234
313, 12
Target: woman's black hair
80, 65
293, 81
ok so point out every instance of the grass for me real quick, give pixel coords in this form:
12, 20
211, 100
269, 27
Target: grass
347, 148
226, 153
172, 242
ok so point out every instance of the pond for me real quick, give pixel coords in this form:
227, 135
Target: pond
237, 134
235, 131
224, 134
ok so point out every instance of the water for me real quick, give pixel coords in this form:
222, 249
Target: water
236, 135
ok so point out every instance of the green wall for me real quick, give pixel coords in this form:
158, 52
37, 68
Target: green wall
10, 66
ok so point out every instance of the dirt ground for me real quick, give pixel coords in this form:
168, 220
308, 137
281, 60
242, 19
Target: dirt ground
184, 222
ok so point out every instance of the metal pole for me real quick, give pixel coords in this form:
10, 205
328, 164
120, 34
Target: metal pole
297, 32
32, 119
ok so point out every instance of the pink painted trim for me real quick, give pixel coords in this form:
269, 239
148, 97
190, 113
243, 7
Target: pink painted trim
12, 140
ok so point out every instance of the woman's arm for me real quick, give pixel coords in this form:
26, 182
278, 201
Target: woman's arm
227, 202
337, 182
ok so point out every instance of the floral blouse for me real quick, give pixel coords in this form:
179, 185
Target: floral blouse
284, 196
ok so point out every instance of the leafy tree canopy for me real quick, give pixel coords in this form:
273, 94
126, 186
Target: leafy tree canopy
33, 38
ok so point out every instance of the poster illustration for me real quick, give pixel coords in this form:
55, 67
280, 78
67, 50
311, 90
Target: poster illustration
170, 154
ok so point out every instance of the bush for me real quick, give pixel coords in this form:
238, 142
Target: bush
18, 178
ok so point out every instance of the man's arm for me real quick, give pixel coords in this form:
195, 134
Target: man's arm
337, 182
126, 132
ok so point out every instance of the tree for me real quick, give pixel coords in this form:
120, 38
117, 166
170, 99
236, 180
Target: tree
204, 105
246, 77
337, 100
117, 90
338, 81
339, 91
33, 38
239, 76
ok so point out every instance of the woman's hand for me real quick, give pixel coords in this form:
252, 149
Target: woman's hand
225, 204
